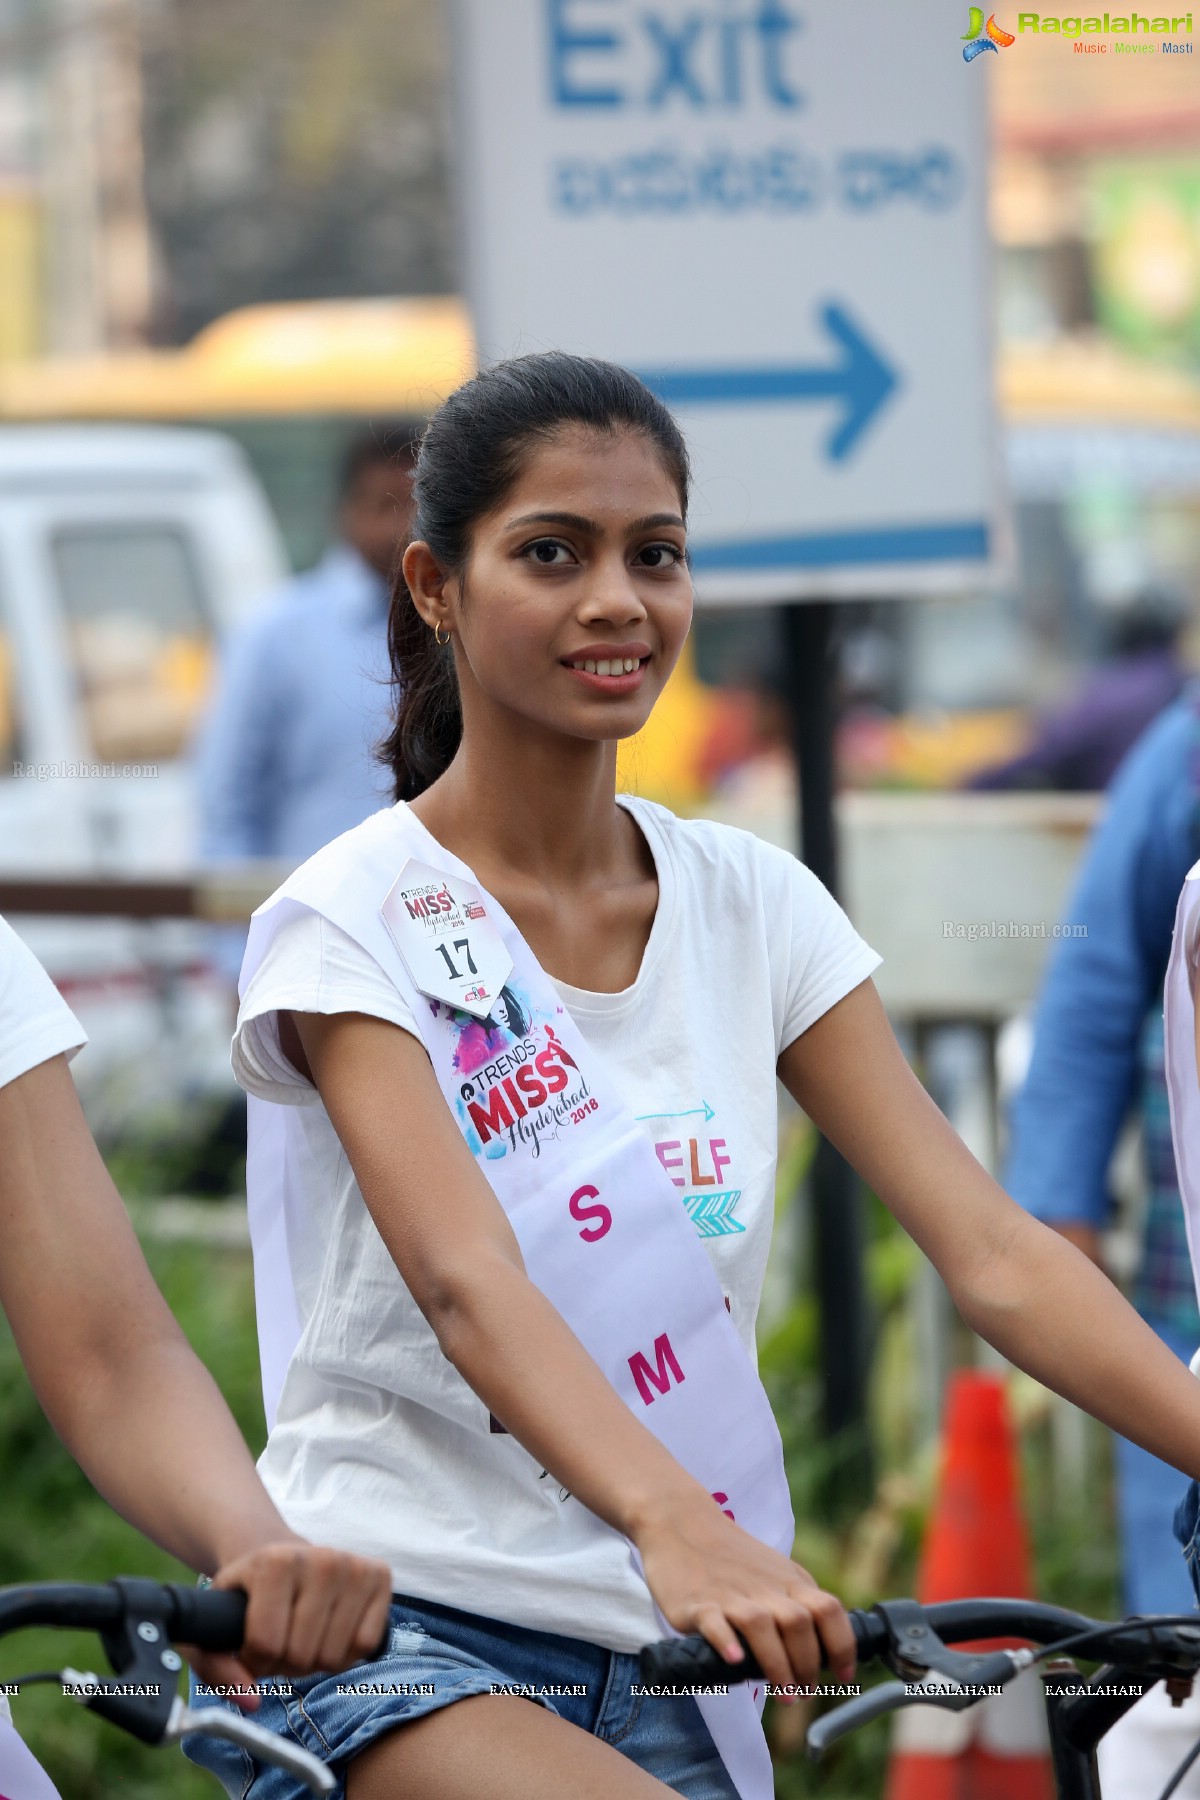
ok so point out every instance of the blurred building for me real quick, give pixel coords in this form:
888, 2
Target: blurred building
1096, 223
295, 153
20, 196
76, 259
162, 163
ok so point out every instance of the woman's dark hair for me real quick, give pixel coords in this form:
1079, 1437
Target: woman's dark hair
472, 451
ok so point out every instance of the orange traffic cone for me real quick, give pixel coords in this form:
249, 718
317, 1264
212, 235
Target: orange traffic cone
975, 1545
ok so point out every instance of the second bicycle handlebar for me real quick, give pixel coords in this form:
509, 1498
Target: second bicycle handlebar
692, 1661
209, 1618
137, 1621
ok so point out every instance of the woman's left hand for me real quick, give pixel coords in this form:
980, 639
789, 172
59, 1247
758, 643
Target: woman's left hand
309, 1608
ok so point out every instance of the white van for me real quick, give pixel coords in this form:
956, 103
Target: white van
124, 552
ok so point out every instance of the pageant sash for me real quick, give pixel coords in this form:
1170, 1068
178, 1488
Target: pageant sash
1183, 1084
600, 1225
21, 1775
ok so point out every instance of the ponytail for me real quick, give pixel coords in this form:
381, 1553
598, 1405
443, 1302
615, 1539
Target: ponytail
427, 728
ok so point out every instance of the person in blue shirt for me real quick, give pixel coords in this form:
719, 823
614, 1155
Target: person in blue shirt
1098, 1053
283, 758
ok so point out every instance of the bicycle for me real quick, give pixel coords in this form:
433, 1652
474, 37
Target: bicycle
911, 1640
137, 1621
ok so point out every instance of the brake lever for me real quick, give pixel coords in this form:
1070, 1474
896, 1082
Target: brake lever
267, 1746
916, 1650
893, 1696
888, 1697
92, 1691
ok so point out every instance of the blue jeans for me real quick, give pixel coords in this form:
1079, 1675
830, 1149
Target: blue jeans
438, 1655
1187, 1514
1149, 1495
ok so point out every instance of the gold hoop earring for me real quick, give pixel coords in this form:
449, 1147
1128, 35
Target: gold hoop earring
442, 642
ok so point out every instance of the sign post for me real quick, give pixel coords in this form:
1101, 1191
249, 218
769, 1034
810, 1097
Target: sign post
810, 636
774, 211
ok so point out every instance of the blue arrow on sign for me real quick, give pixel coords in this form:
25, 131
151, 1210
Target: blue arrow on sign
862, 380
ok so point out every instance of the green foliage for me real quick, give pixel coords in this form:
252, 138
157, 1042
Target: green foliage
861, 1556
198, 1150
55, 1527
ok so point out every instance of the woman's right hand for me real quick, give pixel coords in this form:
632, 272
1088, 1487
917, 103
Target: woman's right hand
708, 1575
309, 1607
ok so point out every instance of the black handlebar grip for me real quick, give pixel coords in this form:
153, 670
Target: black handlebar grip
215, 1619
692, 1662
870, 1634
210, 1618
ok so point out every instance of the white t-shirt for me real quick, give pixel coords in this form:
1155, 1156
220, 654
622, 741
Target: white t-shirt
35, 1021
377, 1444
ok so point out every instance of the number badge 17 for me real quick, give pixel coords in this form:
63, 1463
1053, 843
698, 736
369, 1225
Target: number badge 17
450, 946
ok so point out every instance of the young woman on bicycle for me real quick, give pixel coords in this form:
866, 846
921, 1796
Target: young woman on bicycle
122, 1386
507, 1297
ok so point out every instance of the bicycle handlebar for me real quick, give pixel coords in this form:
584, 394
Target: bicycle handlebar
209, 1618
692, 1660
138, 1620
912, 1641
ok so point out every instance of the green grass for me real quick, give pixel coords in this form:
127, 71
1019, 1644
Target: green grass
53, 1526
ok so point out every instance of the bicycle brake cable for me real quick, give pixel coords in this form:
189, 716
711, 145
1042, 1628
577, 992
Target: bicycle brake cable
1129, 1627
1181, 1771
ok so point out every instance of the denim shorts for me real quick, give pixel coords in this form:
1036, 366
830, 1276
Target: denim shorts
1187, 1530
438, 1655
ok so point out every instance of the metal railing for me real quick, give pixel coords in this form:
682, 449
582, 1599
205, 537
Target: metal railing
217, 897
